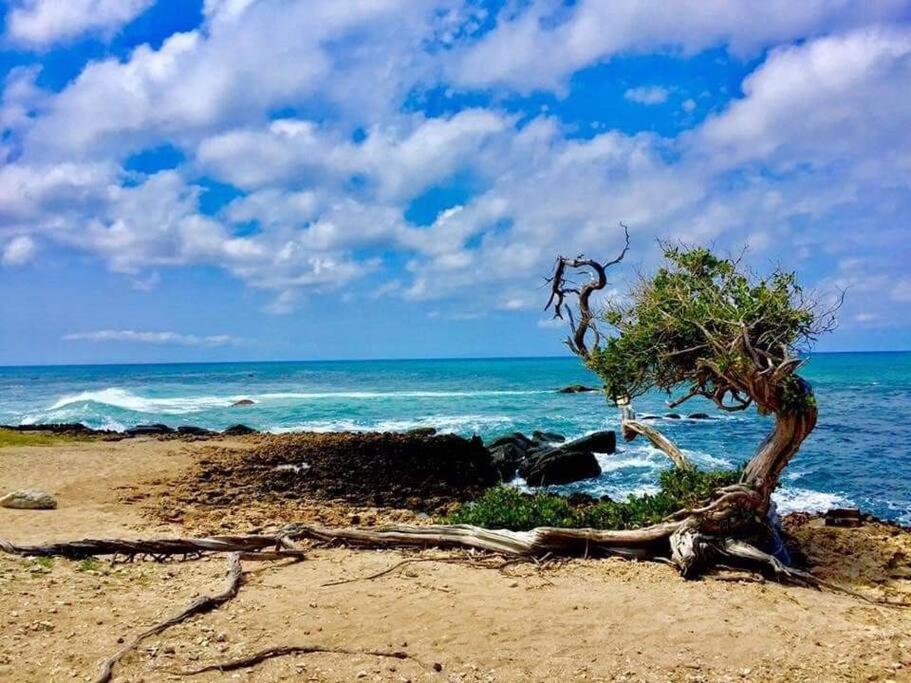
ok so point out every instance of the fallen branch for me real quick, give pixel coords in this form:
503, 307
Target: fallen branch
202, 604
157, 547
285, 650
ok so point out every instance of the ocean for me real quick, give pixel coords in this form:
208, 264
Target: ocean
858, 454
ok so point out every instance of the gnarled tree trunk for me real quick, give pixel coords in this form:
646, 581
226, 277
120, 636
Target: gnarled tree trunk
763, 471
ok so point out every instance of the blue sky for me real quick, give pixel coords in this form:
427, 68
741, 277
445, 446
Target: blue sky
271, 179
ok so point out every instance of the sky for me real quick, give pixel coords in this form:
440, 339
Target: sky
186, 180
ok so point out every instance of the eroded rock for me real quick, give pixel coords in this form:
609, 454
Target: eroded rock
29, 500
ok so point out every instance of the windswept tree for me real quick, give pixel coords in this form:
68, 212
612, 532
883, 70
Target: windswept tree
702, 325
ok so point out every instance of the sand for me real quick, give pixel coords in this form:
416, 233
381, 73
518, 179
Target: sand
579, 620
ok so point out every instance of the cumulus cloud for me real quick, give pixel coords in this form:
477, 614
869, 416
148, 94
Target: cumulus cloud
650, 94
39, 23
817, 138
164, 338
539, 46
19, 251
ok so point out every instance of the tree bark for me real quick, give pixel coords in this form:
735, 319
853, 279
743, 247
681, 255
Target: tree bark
763, 471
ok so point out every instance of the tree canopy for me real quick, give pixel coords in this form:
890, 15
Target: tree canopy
706, 323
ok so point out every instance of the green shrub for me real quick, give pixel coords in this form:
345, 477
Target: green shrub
505, 507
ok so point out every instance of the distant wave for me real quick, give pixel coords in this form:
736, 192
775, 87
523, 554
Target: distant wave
445, 424
176, 405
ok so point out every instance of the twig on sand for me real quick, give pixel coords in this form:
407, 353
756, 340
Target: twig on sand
285, 650
202, 604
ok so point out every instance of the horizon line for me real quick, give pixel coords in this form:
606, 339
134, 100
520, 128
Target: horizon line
356, 360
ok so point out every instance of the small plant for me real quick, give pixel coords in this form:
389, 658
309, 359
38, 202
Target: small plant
45, 562
89, 564
505, 507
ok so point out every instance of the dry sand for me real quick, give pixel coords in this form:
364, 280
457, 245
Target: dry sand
582, 620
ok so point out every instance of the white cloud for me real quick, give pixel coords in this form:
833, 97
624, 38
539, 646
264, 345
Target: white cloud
540, 46
169, 338
38, 23
19, 251
817, 139
650, 94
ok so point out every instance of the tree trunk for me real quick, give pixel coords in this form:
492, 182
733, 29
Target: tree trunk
763, 471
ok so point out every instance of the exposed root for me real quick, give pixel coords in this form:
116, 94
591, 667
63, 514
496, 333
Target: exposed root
741, 550
157, 548
642, 543
285, 650
200, 605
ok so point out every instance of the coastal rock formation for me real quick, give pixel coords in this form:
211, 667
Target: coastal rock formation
599, 442
377, 469
549, 437
239, 430
559, 466
506, 458
576, 389
190, 430
540, 462
149, 430
28, 500
243, 402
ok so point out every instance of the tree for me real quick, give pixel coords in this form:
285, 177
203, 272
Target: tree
705, 324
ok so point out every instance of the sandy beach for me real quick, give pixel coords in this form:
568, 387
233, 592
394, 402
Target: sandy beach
576, 620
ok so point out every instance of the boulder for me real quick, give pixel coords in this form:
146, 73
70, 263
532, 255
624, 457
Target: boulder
422, 431
149, 430
29, 500
239, 430
699, 416
506, 458
558, 466
576, 389
599, 442
243, 402
190, 430
673, 416
547, 437
516, 438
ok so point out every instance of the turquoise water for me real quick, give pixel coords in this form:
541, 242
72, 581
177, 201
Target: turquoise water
859, 453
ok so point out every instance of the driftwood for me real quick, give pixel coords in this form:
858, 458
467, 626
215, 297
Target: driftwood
285, 650
158, 548
200, 605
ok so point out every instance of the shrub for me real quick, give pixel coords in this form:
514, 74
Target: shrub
506, 507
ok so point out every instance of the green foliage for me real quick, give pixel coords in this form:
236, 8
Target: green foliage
505, 507
11, 437
89, 564
45, 562
703, 321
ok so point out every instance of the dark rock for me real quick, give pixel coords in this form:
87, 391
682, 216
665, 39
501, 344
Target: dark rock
599, 442
239, 430
516, 438
190, 430
843, 517
576, 389
243, 402
156, 429
673, 416
648, 417
699, 416
506, 458
561, 467
422, 431
547, 437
